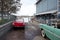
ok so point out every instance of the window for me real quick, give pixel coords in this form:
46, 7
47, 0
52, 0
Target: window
59, 9
58, 5
58, 0
58, 16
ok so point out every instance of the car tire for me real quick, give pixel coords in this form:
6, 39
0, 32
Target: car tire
43, 33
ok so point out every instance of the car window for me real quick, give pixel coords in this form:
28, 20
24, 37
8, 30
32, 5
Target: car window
19, 20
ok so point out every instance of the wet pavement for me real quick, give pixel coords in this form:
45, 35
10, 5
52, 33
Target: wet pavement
30, 32
14, 34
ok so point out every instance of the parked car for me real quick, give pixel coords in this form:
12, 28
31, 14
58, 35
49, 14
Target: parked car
18, 23
51, 32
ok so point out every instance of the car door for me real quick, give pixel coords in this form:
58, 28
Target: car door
49, 30
56, 34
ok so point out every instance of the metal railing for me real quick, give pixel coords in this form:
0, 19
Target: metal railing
7, 19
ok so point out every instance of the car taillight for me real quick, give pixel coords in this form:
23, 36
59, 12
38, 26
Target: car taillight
13, 23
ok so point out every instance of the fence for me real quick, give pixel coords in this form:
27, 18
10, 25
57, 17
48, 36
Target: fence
7, 18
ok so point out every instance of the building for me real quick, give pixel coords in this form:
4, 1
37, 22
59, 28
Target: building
25, 18
47, 11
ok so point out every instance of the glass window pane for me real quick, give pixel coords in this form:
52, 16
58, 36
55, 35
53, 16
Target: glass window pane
58, 8
59, 3
59, 0
58, 16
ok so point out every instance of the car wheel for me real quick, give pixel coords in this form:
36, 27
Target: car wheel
43, 33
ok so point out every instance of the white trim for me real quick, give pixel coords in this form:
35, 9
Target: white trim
46, 12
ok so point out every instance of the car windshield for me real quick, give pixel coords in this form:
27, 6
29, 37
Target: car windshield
21, 20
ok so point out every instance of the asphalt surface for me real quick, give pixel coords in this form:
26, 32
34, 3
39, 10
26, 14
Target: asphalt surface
30, 32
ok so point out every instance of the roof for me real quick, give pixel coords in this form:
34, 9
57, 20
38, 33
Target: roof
38, 1
49, 12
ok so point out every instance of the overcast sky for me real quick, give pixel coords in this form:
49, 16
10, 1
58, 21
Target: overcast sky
28, 7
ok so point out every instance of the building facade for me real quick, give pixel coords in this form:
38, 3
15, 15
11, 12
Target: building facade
47, 11
46, 5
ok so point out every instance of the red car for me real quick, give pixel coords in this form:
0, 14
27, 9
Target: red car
18, 23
